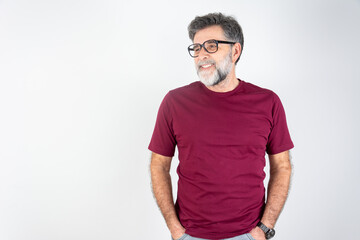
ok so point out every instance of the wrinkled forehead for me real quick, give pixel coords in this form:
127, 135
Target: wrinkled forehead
212, 32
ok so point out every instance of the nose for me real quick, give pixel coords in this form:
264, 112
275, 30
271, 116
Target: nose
203, 54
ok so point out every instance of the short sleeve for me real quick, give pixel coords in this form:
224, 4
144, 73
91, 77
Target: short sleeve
279, 139
163, 141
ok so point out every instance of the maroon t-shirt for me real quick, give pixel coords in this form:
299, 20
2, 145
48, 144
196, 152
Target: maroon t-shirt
222, 139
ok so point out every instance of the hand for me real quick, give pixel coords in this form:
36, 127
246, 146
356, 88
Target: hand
257, 233
176, 234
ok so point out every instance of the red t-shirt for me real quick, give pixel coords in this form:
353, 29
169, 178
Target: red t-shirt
222, 139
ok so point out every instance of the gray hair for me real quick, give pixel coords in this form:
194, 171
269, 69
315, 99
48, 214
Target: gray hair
232, 29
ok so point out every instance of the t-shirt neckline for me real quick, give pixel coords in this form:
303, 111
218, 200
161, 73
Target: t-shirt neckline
222, 94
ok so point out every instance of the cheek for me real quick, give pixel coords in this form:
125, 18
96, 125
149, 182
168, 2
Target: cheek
196, 62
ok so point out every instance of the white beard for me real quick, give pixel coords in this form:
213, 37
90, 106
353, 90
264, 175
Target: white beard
218, 75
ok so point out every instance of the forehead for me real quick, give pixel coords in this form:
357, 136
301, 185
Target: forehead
212, 32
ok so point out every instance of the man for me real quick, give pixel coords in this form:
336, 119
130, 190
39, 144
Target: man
222, 127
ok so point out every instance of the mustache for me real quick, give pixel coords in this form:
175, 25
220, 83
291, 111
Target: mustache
209, 61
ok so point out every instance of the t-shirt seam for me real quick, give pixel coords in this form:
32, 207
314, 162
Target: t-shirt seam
168, 103
281, 146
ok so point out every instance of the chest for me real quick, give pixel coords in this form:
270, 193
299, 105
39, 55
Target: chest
222, 123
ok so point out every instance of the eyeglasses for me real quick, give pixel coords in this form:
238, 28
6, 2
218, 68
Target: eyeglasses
210, 46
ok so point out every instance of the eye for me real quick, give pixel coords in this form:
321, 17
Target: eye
195, 48
211, 46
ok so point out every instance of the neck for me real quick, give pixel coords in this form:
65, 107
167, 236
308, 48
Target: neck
228, 84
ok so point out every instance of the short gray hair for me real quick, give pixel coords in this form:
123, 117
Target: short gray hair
232, 29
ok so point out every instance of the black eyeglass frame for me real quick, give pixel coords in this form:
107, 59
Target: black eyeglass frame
203, 45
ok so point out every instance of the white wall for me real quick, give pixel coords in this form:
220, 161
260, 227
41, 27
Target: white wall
81, 82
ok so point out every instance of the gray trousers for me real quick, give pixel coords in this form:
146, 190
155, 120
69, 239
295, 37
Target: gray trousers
246, 236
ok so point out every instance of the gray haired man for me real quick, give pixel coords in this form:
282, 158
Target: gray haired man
222, 127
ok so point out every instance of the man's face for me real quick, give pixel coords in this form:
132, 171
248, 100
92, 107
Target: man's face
212, 68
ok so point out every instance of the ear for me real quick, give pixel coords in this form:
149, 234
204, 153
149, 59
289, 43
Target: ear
236, 51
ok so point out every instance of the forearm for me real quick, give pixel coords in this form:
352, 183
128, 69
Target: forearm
162, 189
278, 188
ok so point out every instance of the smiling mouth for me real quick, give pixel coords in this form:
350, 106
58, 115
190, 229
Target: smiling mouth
206, 66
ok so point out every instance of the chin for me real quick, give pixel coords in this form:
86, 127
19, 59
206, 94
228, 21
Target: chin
206, 83
209, 81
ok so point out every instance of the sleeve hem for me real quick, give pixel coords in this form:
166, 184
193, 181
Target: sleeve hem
160, 152
280, 149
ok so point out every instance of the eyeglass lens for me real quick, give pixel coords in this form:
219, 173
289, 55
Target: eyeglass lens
211, 46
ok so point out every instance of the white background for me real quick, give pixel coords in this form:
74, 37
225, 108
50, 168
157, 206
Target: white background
81, 83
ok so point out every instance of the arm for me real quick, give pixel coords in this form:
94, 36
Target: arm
162, 190
278, 187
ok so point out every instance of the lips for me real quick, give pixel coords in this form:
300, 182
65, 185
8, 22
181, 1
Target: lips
206, 66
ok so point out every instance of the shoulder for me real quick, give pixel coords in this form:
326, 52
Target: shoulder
180, 94
253, 89
186, 91
190, 88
